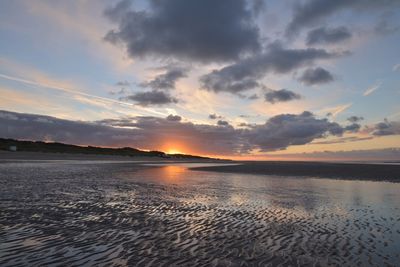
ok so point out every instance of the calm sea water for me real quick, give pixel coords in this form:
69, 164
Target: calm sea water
92, 213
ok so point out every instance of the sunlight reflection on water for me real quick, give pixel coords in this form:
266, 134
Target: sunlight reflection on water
112, 213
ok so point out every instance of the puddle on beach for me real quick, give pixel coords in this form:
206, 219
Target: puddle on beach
116, 214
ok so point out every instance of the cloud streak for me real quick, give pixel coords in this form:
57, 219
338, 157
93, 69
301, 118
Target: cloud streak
372, 89
311, 12
58, 88
325, 35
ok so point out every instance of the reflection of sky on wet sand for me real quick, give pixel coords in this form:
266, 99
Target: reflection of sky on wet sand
128, 212
302, 193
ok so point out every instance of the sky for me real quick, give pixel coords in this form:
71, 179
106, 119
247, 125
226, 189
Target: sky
230, 78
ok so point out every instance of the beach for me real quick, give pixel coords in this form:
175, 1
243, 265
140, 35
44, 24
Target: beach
372, 171
113, 213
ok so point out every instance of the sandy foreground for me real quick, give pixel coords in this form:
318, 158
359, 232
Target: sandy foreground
112, 213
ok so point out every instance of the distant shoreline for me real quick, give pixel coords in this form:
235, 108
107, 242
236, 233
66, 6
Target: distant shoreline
46, 156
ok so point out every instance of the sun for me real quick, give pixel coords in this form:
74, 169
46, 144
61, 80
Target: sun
173, 151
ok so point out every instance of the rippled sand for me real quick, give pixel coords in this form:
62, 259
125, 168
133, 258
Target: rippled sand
69, 214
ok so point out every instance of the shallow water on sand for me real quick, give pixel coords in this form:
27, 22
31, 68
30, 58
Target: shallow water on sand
104, 214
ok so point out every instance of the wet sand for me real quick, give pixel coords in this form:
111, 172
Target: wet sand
117, 214
349, 171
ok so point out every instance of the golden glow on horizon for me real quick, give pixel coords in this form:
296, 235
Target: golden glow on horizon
175, 147
174, 151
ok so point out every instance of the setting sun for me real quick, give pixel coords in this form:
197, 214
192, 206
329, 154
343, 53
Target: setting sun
174, 151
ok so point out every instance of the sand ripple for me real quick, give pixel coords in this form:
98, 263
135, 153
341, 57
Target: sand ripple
117, 215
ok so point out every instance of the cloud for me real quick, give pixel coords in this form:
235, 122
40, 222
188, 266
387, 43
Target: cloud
166, 80
343, 140
325, 35
174, 118
253, 97
316, 76
372, 89
354, 127
354, 119
74, 91
140, 131
123, 83
282, 95
205, 31
222, 123
119, 10
149, 132
334, 111
151, 98
386, 128
214, 116
313, 11
285, 130
245, 74
396, 67
40, 127
80, 96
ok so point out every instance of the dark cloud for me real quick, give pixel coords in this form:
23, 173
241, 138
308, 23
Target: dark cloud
253, 97
313, 11
214, 116
354, 127
141, 132
205, 31
354, 119
46, 128
277, 133
285, 130
245, 74
151, 98
325, 35
174, 118
316, 76
166, 80
222, 123
118, 11
257, 6
386, 128
282, 95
